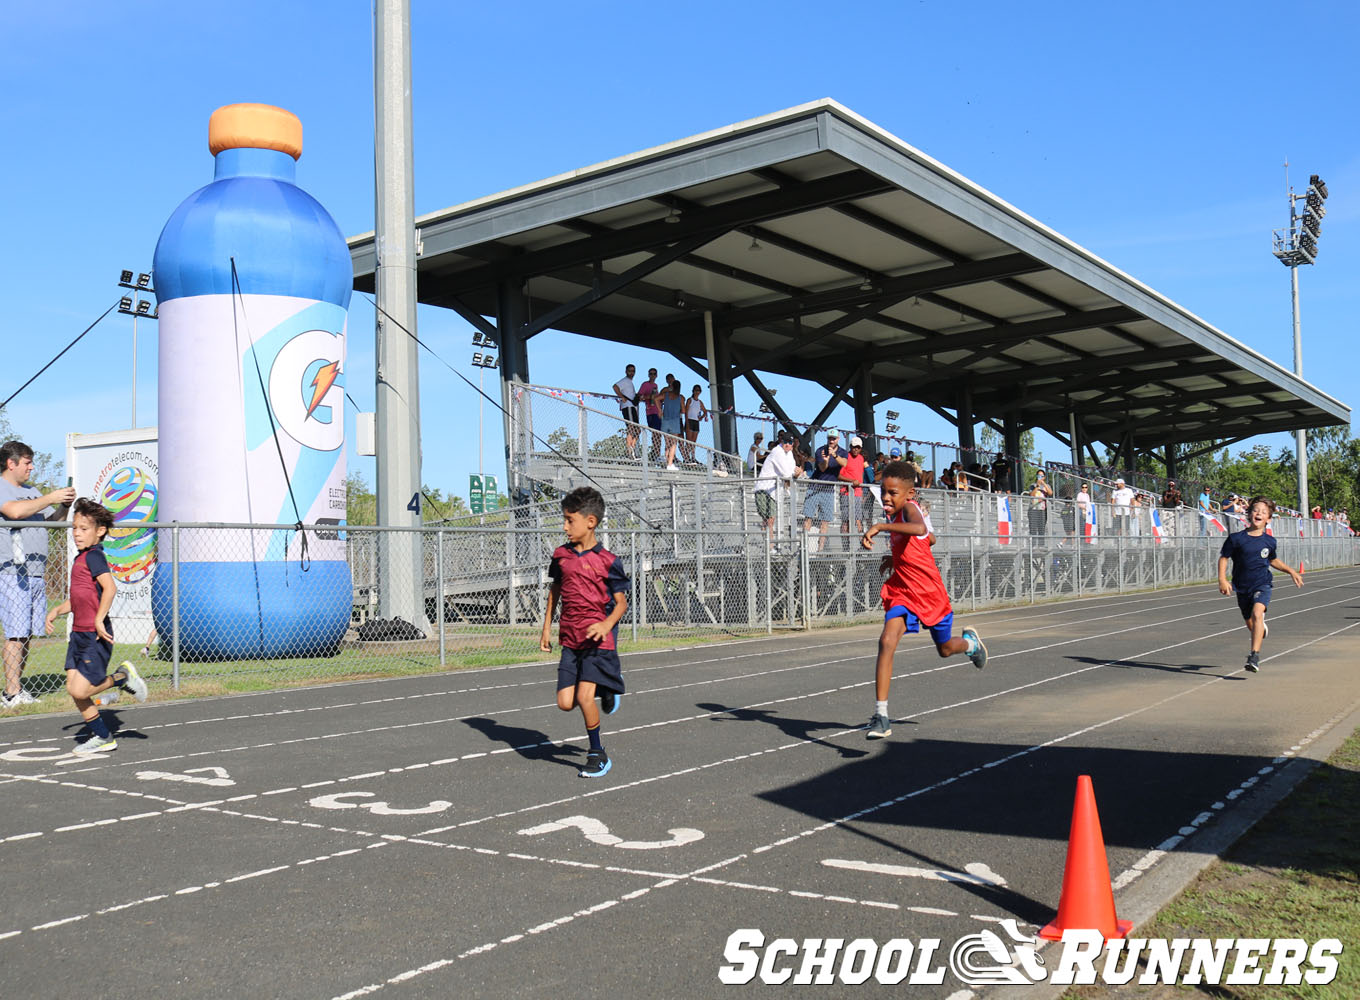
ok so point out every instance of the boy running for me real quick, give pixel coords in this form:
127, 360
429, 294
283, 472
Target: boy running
91, 643
914, 593
593, 589
1252, 552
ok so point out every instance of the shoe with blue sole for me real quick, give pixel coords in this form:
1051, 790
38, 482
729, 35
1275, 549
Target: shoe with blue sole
597, 764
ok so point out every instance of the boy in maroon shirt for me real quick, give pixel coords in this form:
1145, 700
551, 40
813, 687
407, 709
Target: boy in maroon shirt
91, 643
593, 589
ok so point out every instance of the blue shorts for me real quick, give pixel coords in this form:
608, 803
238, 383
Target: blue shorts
670, 426
90, 655
820, 504
654, 421
1247, 598
942, 631
599, 666
23, 605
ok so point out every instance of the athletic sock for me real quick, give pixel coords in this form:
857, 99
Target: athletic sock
972, 645
99, 727
594, 735
881, 708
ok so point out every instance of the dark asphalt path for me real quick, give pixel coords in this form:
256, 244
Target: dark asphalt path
426, 837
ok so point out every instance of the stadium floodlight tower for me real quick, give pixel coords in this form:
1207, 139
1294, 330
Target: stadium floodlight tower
1298, 244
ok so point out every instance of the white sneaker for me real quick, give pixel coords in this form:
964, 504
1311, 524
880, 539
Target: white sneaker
22, 698
96, 744
672, 468
134, 684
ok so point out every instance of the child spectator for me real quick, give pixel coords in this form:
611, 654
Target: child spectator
91, 643
593, 589
1252, 552
914, 592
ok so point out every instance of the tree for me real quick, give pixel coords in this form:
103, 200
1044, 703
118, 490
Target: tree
48, 472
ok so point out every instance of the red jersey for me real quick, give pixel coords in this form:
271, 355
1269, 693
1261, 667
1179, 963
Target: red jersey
915, 581
589, 581
86, 570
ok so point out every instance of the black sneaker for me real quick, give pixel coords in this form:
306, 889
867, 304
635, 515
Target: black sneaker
609, 702
597, 764
1253, 662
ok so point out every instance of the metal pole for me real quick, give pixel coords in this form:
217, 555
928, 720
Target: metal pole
1301, 435
396, 361
174, 607
632, 608
712, 384
134, 369
439, 590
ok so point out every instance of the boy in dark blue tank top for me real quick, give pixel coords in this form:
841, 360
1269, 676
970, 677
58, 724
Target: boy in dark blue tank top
1252, 553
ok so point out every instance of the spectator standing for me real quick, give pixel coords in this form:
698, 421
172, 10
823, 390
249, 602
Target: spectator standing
1171, 496
670, 402
755, 457
1122, 499
1038, 506
852, 495
1205, 508
1084, 502
695, 411
820, 506
23, 595
627, 395
778, 470
647, 394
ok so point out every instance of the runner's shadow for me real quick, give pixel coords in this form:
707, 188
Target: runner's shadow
801, 729
112, 719
1173, 668
531, 744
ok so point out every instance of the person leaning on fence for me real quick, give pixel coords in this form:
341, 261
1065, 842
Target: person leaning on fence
1122, 499
913, 594
670, 401
852, 495
778, 470
91, 643
755, 455
1205, 508
820, 505
592, 587
627, 397
1171, 496
695, 411
647, 395
23, 595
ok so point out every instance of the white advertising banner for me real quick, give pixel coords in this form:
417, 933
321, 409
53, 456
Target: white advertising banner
119, 470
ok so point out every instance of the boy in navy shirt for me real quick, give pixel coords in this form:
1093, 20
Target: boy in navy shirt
1252, 552
593, 589
91, 643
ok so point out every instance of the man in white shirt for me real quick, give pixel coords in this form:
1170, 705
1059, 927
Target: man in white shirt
755, 457
627, 396
1122, 497
778, 470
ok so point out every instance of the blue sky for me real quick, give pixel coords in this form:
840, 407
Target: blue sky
1154, 135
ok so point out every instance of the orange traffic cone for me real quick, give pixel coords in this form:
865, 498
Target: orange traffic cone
1087, 901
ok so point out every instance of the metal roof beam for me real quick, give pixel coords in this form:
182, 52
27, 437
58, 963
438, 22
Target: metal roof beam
714, 220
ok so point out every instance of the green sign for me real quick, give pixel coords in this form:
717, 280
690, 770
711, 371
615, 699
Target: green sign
490, 494
475, 494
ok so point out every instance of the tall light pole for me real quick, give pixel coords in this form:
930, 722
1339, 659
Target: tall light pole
482, 362
1295, 245
143, 309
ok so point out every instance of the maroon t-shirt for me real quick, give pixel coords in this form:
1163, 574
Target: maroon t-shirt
88, 567
589, 581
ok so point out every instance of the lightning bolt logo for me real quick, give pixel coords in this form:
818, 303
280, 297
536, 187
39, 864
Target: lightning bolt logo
325, 378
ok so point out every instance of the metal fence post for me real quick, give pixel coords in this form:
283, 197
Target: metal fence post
632, 552
1119, 551
174, 607
512, 611
769, 587
972, 575
642, 586
439, 589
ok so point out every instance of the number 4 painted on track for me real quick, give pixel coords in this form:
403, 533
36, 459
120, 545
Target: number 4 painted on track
597, 833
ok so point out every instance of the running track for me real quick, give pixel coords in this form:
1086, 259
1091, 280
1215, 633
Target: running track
429, 837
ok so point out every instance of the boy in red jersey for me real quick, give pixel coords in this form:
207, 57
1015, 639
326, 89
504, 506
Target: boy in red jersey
91, 643
914, 593
593, 589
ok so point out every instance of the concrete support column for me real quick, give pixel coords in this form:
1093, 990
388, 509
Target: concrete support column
1171, 463
1011, 437
967, 443
511, 311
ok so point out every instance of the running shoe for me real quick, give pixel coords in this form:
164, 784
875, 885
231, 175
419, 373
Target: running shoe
1253, 662
879, 727
609, 702
597, 764
979, 653
22, 698
127, 678
96, 744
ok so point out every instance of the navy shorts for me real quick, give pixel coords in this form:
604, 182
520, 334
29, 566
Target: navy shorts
90, 655
1247, 598
942, 631
654, 421
599, 666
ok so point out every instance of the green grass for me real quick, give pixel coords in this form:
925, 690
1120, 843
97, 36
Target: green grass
1296, 874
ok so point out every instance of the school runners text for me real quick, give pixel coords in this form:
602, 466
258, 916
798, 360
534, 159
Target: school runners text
988, 958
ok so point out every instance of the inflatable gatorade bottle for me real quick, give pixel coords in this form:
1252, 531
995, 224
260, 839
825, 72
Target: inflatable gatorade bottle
253, 281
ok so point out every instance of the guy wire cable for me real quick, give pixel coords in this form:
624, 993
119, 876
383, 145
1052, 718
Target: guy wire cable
63, 351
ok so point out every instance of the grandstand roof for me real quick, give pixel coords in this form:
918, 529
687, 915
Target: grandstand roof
825, 247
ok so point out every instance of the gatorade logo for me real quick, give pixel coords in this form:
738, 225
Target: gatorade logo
307, 389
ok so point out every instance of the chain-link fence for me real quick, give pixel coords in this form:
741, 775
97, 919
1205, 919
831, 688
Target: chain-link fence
241, 607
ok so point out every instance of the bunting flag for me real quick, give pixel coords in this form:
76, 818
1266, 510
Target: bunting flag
1217, 524
1157, 524
1003, 519
1088, 528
